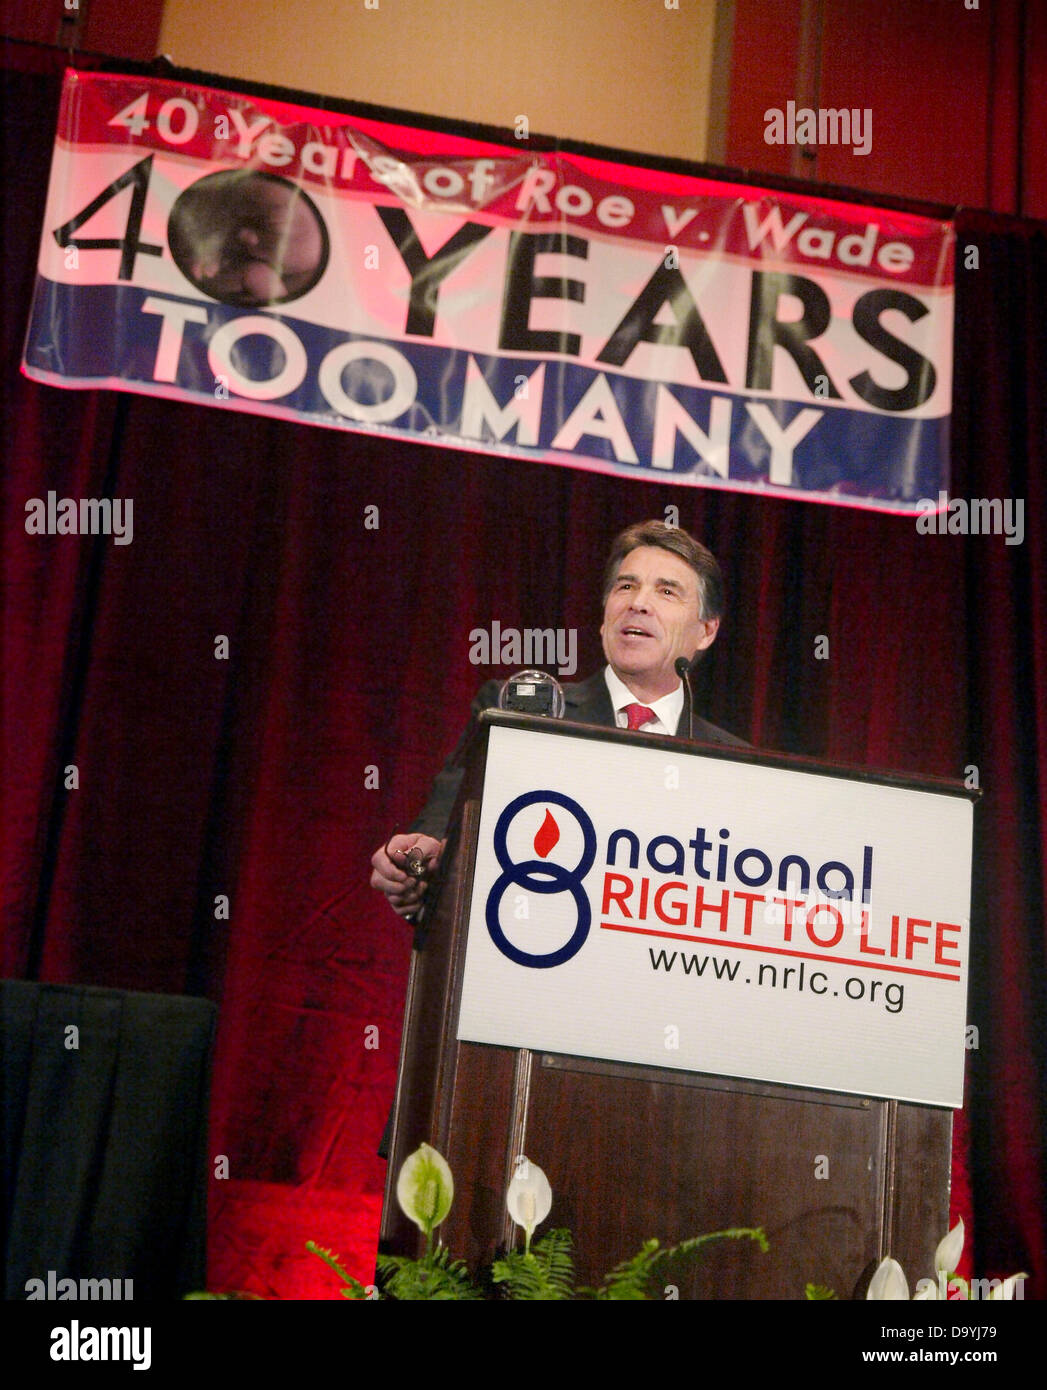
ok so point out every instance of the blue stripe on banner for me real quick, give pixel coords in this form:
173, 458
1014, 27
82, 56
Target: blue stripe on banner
101, 334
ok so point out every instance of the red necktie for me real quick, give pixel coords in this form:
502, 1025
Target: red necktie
638, 715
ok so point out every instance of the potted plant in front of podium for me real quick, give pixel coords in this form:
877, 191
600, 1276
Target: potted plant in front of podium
542, 1270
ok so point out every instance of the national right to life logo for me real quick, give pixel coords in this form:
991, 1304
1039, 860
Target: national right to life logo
543, 875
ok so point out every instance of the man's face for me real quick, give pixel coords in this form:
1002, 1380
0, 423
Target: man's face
651, 618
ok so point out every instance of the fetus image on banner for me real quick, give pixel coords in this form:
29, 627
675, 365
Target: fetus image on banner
248, 238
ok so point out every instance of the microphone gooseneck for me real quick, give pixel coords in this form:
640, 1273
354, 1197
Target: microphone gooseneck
683, 669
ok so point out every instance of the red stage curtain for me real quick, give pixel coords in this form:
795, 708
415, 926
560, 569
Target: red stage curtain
348, 649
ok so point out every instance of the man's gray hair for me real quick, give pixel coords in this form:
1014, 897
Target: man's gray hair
678, 542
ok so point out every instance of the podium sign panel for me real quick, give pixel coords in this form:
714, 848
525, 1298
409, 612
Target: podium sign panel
691, 911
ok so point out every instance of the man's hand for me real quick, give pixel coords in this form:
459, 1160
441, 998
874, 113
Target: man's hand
404, 891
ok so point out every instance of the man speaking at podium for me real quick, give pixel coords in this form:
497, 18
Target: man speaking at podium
662, 601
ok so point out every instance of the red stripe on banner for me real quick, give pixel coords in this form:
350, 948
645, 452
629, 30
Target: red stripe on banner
598, 196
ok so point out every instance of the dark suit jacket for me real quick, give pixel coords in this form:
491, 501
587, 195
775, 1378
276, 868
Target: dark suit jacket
587, 702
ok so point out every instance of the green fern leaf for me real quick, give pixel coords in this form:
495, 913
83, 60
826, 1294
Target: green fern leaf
353, 1288
545, 1273
433, 1278
631, 1279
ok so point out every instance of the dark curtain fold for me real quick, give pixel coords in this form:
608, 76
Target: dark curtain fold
104, 1138
203, 779
1001, 451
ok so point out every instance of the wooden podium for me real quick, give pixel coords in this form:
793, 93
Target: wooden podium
634, 1150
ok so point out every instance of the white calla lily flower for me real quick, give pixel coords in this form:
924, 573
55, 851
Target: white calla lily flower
529, 1198
425, 1188
947, 1256
889, 1282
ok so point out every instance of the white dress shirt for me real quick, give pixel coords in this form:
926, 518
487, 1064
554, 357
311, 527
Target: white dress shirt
667, 710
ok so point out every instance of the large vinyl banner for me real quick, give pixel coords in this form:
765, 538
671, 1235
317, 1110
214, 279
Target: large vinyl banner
347, 272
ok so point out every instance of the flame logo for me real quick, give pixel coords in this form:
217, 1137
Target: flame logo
548, 835
541, 875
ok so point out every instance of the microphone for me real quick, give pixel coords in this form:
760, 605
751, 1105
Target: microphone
682, 667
